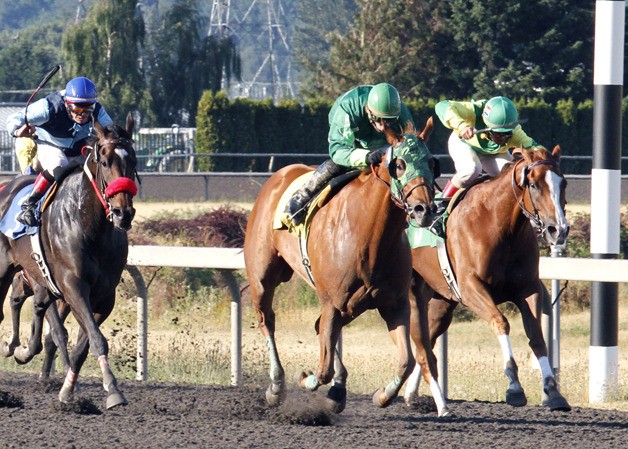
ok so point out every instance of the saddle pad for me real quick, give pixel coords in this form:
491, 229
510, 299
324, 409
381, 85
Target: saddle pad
281, 218
9, 226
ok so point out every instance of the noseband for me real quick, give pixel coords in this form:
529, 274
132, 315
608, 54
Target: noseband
538, 224
401, 202
106, 191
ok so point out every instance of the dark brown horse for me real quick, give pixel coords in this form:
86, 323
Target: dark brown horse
84, 241
359, 258
491, 240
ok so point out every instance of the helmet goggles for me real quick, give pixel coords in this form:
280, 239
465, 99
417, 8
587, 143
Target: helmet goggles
80, 108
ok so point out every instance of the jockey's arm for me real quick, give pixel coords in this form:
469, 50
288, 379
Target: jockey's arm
521, 139
341, 138
38, 114
459, 116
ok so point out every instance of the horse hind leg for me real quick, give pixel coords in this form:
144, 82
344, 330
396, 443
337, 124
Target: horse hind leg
20, 292
41, 301
57, 337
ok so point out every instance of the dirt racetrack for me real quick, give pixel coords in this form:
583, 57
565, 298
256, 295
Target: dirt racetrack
184, 416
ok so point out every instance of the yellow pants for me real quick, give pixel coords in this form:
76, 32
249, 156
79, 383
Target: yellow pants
25, 150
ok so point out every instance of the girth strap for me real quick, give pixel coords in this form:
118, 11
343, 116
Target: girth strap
38, 256
447, 271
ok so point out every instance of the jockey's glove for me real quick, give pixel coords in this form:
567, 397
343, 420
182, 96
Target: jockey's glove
374, 157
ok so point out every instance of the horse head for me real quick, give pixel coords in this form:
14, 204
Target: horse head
113, 164
543, 184
411, 168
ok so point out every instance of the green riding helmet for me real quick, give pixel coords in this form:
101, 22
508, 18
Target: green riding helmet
500, 114
384, 101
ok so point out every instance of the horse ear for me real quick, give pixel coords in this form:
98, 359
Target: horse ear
427, 129
517, 153
130, 123
556, 153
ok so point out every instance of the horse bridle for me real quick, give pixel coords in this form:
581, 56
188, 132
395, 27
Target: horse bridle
524, 186
402, 202
97, 177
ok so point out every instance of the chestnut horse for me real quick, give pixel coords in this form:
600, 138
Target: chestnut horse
359, 258
491, 240
84, 240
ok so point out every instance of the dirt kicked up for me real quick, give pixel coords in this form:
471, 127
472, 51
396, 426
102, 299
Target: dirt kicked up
161, 415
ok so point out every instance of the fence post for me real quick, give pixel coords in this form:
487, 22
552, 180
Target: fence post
236, 326
142, 322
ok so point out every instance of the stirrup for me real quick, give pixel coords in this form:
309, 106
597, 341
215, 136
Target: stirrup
298, 217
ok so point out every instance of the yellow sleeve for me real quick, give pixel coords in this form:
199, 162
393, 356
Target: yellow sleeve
459, 115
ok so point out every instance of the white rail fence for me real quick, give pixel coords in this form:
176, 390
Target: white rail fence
229, 259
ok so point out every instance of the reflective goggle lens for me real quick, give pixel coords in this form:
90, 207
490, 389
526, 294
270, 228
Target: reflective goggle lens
81, 108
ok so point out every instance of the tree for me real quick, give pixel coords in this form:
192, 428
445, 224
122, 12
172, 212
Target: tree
25, 58
105, 48
532, 49
184, 62
395, 41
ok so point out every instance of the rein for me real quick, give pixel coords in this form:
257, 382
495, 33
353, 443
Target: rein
523, 185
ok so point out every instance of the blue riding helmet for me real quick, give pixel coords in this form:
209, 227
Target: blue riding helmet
80, 90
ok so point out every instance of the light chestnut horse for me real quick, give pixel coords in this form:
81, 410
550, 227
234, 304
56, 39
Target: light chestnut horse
359, 258
491, 240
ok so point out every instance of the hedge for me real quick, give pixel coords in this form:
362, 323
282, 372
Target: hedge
260, 126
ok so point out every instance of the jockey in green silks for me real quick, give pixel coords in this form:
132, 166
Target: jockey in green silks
356, 137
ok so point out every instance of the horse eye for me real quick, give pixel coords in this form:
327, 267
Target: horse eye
401, 167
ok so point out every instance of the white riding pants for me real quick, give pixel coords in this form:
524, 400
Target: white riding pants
50, 157
469, 164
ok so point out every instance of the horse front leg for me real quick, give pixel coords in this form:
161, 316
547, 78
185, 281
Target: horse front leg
532, 326
19, 294
397, 320
41, 302
426, 360
98, 343
477, 299
328, 327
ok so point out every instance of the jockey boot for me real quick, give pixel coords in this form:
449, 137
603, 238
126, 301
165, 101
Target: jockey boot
448, 192
28, 214
437, 226
324, 173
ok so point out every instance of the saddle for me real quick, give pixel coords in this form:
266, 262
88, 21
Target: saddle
282, 220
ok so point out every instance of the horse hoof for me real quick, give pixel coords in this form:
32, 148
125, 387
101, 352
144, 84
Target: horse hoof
22, 355
116, 399
380, 399
275, 398
557, 403
516, 398
6, 350
337, 397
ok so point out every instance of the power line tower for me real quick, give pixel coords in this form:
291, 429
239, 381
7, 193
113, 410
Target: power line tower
81, 13
263, 37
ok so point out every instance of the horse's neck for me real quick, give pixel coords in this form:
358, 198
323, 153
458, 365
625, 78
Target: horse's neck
77, 198
375, 202
505, 196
